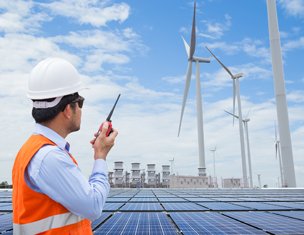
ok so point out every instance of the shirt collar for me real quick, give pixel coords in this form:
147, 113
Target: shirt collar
51, 135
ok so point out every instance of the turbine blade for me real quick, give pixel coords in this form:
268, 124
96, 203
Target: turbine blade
233, 115
234, 94
228, 71
193, 34
187, 47
187, 85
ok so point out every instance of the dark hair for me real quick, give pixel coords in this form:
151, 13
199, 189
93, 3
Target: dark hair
44, 115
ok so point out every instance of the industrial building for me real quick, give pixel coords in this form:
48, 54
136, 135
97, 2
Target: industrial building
148, 177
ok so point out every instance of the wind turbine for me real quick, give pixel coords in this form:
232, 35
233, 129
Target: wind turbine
278, 153
245, 122
236, 93
280, 95
191, 58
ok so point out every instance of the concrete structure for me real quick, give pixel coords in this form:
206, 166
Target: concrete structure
127, 180
165, 176
151, 175
110, 176
157, 180
118, 174
231, 183
177, 181
143, 179
135, 175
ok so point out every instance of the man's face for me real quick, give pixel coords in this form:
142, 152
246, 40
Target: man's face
76, 115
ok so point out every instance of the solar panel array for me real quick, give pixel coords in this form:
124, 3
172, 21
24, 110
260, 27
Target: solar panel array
191, 211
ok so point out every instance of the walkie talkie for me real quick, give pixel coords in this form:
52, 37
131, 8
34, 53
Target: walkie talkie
109, 131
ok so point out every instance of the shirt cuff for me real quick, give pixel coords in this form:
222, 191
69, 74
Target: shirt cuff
100, 165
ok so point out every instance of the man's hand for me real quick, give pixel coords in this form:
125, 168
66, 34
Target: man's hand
102, 144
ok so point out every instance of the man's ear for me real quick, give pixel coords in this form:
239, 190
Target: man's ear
67, 112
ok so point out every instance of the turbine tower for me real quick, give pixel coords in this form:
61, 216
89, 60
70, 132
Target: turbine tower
245, 122
236, 93
281, 103
191, 58
214, 181
278, 154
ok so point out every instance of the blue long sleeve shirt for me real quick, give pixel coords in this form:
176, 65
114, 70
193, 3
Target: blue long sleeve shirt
52, 172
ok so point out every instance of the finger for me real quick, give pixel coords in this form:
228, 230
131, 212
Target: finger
96, 134
105, 127
93, 140
114, 133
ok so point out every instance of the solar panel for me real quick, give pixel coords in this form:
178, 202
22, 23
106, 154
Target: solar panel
6, 207
260, 206
111, 206
142, 207
253, 199
293, 205
292, 214
222, 206
284, 206
269, 222
6, 222
172, 199
210, 223
137, 223
144, 199
199, 199
117, 199
225, 199
187, 206
102, 218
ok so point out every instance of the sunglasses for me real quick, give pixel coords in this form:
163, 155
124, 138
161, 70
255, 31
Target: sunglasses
79, 101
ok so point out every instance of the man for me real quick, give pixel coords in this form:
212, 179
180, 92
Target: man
50, 194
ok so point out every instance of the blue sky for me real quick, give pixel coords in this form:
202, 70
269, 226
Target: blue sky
135, 48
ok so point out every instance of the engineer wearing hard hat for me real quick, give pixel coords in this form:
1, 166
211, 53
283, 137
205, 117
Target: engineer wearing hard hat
50, 194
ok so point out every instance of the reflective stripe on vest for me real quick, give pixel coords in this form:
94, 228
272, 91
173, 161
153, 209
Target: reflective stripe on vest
48, 223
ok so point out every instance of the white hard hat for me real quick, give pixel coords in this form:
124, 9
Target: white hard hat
53, 77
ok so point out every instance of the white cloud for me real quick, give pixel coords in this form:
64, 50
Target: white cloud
95, 13
293, 7
293, 44
18, 16
296, 96
215, 30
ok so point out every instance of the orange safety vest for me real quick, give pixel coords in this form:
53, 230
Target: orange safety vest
36, 213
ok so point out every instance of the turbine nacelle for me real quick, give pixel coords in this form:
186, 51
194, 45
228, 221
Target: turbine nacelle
238, 75
200, 59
